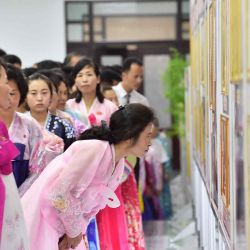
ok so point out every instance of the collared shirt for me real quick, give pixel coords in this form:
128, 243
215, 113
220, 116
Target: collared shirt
135, 97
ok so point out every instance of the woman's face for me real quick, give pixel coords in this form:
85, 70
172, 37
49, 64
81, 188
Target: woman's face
110, 95
86, 80
144, 141
39, 96
62, 96
15, 95
4, 89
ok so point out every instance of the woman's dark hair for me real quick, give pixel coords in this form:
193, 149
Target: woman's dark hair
55, 77
126, 123
3, 64
15, 74
108, 75
2, 53
29, 71
106, 87
85, 62
12, 59
48, 64
38, 76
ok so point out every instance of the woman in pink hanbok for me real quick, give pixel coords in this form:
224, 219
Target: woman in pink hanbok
24, 131
89, 106
12, 227
76, 185
112, 223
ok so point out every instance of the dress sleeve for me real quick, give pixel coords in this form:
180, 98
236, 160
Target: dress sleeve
78, 172
43, 152
69, 134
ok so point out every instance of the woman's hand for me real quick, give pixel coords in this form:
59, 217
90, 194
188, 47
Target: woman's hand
68, 242
63, 243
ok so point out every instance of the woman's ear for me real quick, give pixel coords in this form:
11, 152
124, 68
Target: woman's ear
129, 143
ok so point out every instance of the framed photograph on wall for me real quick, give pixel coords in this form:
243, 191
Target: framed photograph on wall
214, 161
235, 41
225, 171
225, 168
247, 31
224, 47
211, 74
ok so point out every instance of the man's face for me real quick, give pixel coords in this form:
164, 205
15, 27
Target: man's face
133, 78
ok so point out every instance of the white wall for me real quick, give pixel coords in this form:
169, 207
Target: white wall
33, 29
154, 68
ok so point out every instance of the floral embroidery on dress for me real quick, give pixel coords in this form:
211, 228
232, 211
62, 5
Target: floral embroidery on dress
60, 203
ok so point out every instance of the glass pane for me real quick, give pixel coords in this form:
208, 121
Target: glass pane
154, 7
185, 35
77, 11
154, 68
140, 28
185, 9
185, 26
98, 24
75, 32
98, 37
111, 60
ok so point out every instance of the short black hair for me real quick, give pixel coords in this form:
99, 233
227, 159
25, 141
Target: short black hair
48, 64
2, 53
108, 75
129, 61
15, 74
29, 71
54, 75
12, 59
106, 86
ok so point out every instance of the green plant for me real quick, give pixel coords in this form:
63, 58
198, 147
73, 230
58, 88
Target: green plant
175, 91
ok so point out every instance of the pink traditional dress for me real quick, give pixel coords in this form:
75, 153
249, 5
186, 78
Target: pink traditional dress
111, 235
25, 132
79, 127
12, 226
97, 112
71, 190
132, 209
112, 226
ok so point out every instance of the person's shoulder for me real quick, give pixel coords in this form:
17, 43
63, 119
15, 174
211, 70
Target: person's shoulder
71, 102
136, 93
118, 88
141, 97
27, 119
92, 143
110, 104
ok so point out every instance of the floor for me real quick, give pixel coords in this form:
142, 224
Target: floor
178, 232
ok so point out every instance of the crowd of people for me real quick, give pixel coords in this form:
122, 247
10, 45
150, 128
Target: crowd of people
82, 160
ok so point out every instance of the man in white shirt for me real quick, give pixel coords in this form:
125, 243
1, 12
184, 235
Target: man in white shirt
132, 77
